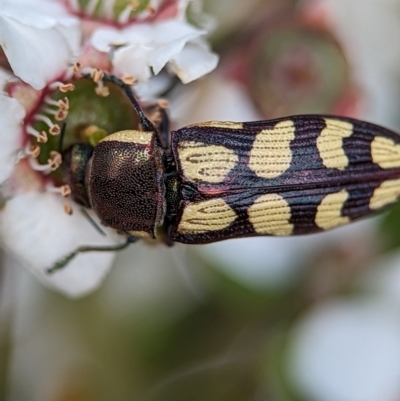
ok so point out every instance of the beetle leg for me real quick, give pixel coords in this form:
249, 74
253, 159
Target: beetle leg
63, 262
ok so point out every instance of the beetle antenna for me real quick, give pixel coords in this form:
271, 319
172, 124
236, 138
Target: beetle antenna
61, 263
62, 136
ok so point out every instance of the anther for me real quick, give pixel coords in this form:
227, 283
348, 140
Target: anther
68, 209
134, 5
61, 116
65, 191
55, 130
77, 67
66, 87
97, 75
123, 17
151, 9
55, 160
102, 91
128, 80
34, 151
64, 103
163, 103
42, 137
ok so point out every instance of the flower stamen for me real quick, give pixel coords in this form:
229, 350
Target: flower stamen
91, 7
61, 103
66, 87
101, 90
61, 116
163, 103
151, 9
35, 165
123, 17
77, 67
54, 128
41, 137
128, 80
68, 209
55, 160
34, 151
97, 75
64, 190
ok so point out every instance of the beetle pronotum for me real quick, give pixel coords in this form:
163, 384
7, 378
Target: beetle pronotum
216, 180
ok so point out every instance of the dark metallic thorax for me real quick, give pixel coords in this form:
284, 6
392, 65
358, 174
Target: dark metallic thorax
125, 181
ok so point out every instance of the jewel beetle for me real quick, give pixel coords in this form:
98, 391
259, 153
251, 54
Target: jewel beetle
216, 180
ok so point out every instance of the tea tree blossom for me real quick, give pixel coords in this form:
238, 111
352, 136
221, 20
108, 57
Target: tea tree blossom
35, 221
39, 223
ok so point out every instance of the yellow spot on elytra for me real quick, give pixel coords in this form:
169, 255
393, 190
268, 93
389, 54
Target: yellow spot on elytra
206, 216
140, 137
270, 214
388, 192
206, 163
329, 211
385, 152
218, 124
330, 143
271, 155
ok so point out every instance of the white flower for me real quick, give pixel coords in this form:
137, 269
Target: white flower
39, 39
33, 225
142, 47
348, 351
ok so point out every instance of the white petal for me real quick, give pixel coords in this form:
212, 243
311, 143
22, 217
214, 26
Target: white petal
34, 228
11, 117
41, 14
348, 351
166, 39
193, 62
6, 77
132, 60
38, 45
169, 39
150, 90
173, 30
102, 39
